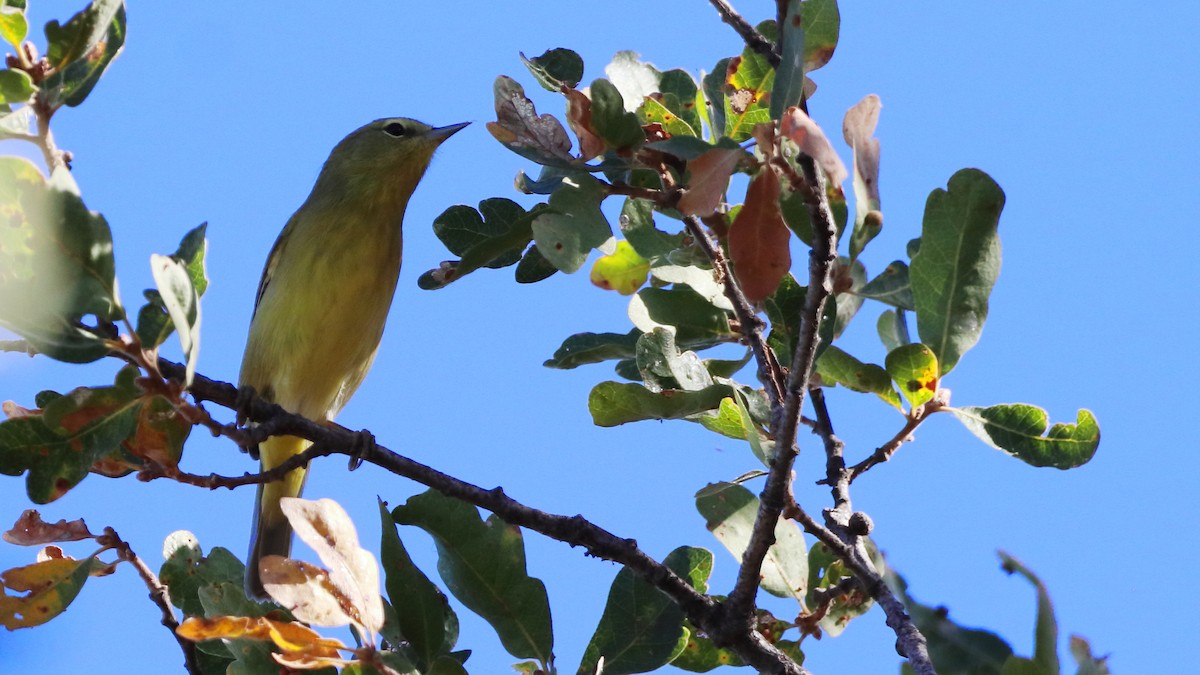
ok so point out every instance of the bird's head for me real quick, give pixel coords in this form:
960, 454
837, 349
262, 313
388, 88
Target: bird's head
383, 161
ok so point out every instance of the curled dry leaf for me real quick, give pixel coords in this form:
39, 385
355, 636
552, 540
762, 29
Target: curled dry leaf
13, 411
291, 637
759, 239
858, 127
709, 178
324, 525
804, 132
31, 530
519, 126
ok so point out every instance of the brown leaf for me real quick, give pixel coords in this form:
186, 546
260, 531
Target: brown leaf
31, 530
805, 133
50, 586
709, 179
518, 124
324, 525
759, 239
579, 116
291, 637
13, 411
306, 591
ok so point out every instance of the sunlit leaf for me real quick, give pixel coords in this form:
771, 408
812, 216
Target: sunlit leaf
858, 128
518, 126
615, 403
837, 367
708, 181
48, 587
624, 271
804, 132
182, 303
31, 530
15, 85
730, 511
80, 51
1020, 430
915, 370
13, 24
555, 68
573, 225
959, 259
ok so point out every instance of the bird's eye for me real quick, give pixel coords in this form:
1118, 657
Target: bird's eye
395, 129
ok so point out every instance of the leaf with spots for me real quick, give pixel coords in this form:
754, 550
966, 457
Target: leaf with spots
43, 590
759, 239
1020, 430
858, 129
81, 50
623, 271
915, 370
573, 225
747, 92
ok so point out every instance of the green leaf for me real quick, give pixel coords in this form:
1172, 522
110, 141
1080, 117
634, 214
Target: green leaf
953, 648
789, 78
784, 309
182, 303
610, 119
15, 85
663, 366
194, 579
573, 225
700, 655
421, 607
49, 586
583, 348
1045, 635
1019, 429
893, 330
851, 276
637, 226
641, 628
56, 264
616, 403
837, 367
494, 237
534, 267
556, 68
679, 94
694, 317
154, 321
483, 565
957, 264
822, 22
13, 24
825, 571
915, 370
729, 512
74, 432
80, 51
657, 109
891, 287
714, 94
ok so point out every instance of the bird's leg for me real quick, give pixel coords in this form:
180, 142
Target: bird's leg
241, 406
364, 442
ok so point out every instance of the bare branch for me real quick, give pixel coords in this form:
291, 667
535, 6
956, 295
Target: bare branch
749, 33
158, 593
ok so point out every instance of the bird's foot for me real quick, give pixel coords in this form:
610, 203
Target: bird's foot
364, 442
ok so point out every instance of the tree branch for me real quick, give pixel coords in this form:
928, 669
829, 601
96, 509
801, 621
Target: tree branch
749, 33
158, 593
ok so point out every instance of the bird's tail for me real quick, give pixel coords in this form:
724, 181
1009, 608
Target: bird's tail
272, 533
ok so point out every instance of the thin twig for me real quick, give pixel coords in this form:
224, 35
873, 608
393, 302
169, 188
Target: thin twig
158, 593
750, 34
884, 452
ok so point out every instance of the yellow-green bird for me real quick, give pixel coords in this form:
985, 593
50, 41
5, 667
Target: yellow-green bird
324, 297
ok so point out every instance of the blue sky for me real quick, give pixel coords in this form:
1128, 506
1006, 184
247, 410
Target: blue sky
223, 112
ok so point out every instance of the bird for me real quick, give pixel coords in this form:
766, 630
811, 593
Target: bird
324, 297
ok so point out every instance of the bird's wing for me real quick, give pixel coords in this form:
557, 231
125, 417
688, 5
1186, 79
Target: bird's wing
273, 261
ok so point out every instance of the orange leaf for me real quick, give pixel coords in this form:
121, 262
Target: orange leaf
579, 116
710, 177
287, 635
759, 239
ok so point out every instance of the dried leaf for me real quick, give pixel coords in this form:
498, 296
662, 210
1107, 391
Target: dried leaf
759, 238
519, 126
579, 116
324, 525
804, 132
306, 591
710, 177
31, 530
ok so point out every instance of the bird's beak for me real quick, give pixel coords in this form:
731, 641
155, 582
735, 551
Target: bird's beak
440, 134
